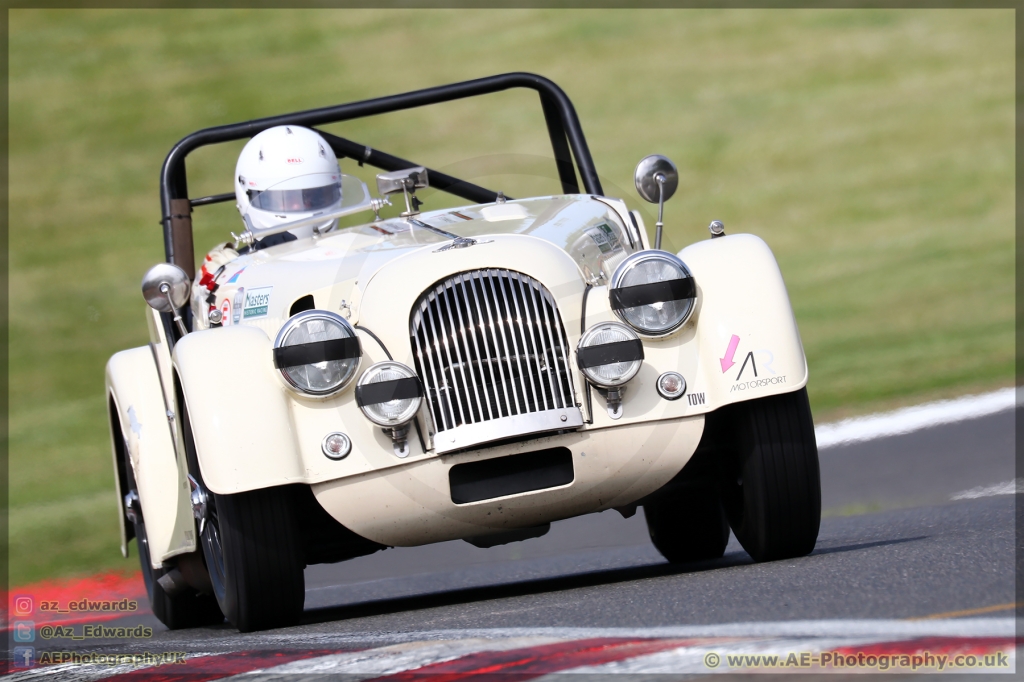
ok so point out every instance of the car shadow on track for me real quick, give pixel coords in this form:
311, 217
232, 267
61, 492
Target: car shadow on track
517, 589
521, 588
865, 545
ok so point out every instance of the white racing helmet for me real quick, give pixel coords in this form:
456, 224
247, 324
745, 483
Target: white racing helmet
285, 174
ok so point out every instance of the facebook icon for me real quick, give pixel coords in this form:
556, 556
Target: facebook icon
24, 656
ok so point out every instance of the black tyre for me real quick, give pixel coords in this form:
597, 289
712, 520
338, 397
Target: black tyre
186, 609
690, 525
252, 549
771, 489
255, 558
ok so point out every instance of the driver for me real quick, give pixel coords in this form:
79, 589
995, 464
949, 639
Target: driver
286, 174
283, 174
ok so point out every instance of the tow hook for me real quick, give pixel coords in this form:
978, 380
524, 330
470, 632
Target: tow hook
199, 499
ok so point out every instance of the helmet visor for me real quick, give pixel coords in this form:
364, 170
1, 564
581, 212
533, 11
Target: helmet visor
296, 200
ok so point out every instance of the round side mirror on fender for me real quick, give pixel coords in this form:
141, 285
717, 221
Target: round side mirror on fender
656, 180
165, 287
648, 183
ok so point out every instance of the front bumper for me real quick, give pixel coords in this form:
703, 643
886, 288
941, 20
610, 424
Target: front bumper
412, 504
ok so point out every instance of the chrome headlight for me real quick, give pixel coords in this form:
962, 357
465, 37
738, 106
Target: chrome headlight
389, 394
609, 354
317, 352
653, 292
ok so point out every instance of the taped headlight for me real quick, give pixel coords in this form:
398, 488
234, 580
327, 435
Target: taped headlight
317, 352
653, 292
389, 394
609, 354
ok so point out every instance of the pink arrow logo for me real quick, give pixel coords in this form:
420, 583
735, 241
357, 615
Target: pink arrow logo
727, 362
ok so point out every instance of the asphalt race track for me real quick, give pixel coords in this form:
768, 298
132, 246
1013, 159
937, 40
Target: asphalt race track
898, 559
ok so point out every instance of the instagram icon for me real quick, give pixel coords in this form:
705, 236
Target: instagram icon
23, 605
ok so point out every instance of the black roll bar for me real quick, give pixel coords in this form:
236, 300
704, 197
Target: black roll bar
567, 142
344, 148
379, 159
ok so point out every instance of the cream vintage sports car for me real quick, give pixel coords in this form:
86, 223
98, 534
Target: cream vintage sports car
471, 373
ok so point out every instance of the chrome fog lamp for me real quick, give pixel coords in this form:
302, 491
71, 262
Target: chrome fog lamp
609, 355
389, 394
317, 352
653, 292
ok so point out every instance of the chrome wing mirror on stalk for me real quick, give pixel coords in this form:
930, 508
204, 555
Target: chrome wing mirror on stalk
165, 288
656, 181
407, 181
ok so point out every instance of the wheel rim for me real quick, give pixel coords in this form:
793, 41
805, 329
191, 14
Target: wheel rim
141, 540
213, 552
147, 568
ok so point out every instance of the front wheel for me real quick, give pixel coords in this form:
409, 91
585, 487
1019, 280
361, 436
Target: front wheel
770, 484
252, 550
689, 525
186, 609
255, 558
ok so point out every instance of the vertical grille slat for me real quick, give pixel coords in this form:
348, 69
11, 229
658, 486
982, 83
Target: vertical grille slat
552, 324
542, 330
424, 364
525, 354
488, 361
452, 367
510, 351
474, 368
538, 357
489, 345
445, 397
506, 408
459, 369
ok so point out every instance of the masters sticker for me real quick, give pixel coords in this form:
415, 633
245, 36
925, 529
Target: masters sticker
257, 302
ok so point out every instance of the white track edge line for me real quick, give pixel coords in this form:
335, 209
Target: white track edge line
1014, 487
916, 418
871, 628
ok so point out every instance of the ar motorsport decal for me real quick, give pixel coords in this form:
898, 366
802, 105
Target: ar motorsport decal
256, 302
748, 367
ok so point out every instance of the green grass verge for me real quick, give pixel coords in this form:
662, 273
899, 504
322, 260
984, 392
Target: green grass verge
873, 150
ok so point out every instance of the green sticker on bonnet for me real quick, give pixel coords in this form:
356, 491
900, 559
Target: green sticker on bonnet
257, 302
604, 237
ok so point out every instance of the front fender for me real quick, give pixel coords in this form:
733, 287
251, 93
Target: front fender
237, 409
747, 337
252, 432
139, 420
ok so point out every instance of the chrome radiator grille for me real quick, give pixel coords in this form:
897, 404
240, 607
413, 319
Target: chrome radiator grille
490, 345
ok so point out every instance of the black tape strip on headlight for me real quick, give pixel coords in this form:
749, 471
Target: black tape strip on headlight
318, 351
607, 353
655, 292
384, 391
